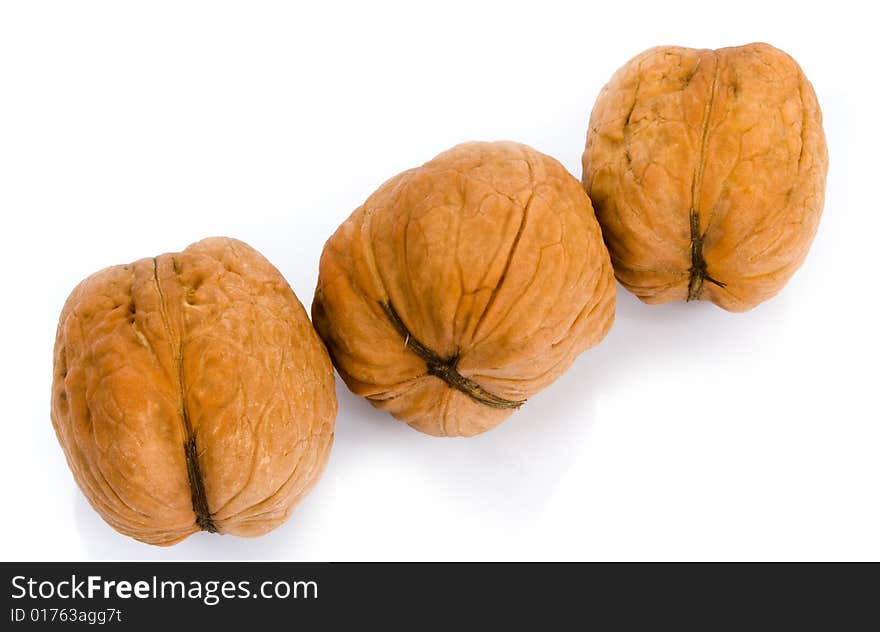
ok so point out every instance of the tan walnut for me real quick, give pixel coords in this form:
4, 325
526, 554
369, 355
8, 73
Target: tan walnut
707, 172
191, 393
464, 286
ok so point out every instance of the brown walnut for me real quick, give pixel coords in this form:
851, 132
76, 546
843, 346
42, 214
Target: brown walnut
191, 393
707, 172
464, 286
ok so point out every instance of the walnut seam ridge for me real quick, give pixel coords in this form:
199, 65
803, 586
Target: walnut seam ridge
193, 470
699, 271
445, 368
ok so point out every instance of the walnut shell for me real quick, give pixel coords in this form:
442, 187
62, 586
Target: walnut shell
707, 171
191, 392
464, 286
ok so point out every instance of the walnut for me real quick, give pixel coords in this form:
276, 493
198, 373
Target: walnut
191, 393
707, 171
464, 286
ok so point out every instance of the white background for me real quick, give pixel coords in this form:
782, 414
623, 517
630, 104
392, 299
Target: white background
130, 129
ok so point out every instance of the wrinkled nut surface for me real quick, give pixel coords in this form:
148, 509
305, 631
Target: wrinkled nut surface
191, 392
463, 287
707, 172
